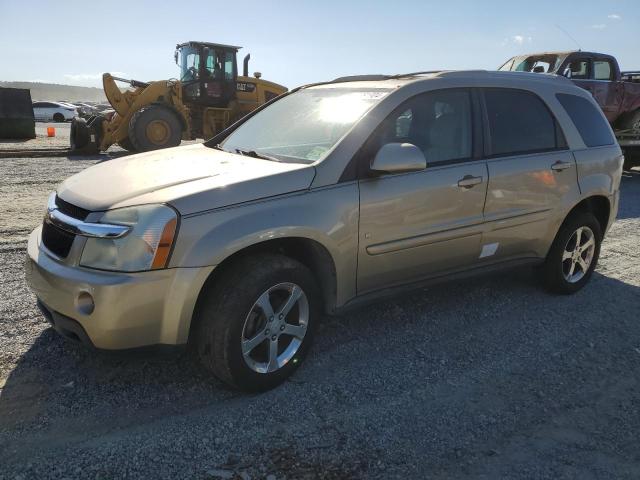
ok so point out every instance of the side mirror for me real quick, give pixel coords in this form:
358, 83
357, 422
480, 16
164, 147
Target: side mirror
175, 56
567, 72
257, 74
399, 157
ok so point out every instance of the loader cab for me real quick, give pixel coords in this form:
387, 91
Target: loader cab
208, 72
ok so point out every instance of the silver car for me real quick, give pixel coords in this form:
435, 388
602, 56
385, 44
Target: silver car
330, 196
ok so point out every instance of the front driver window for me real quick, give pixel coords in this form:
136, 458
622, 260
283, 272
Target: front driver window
439, 123
579, 69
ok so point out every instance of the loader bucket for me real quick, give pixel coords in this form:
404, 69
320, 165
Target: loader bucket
85, 134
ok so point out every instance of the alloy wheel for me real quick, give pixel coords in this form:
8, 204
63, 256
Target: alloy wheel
275, 328
578, 254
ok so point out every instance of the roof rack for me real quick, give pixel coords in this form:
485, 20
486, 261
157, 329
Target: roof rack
416, 74
378, 77
360, 78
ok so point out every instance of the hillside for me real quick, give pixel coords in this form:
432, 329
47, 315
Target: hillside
53, 92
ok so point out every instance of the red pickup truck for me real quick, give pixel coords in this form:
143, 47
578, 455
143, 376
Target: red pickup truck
617, 93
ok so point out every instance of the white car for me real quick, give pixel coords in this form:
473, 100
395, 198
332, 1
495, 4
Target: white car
53, 111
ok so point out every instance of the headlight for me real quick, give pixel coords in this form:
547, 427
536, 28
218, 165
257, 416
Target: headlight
145, 247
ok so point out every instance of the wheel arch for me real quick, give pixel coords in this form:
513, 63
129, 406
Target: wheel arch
598, 205
307, 251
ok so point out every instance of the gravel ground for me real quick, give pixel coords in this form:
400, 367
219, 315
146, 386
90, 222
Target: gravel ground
485, 378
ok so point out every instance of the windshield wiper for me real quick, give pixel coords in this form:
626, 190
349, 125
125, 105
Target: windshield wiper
254, 154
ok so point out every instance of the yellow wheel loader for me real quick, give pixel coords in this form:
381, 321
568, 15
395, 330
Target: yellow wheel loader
209, 96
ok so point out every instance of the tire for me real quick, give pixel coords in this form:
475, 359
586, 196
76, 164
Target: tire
631, 158
58, 117
79, 134
632, 121
154, 127
127, 145
228, 314
557, 273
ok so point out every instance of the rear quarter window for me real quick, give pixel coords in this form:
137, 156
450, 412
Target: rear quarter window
588, 119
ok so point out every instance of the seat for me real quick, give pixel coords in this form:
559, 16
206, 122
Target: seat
444, 139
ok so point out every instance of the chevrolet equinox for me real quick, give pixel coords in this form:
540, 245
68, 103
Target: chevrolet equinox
324, 198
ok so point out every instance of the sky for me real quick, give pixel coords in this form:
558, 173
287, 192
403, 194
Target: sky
296, 42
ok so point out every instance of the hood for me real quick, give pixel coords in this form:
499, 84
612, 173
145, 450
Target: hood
193, 178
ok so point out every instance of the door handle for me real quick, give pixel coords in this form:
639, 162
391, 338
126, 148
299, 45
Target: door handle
469, 181
559, 166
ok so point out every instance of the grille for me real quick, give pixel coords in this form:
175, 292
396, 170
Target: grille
71, 210
56, 240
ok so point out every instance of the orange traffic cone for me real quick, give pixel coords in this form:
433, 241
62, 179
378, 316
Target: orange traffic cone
51, 131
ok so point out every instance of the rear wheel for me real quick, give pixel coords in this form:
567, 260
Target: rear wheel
573, 255
58, 117
631, 157
255, 324
154, 127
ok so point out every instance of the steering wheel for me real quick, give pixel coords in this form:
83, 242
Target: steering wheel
192, 73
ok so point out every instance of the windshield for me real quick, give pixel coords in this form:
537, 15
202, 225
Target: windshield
303, 126
189, 63
547, 63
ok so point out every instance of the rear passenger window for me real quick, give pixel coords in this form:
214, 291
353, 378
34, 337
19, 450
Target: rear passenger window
519, 122
588, 119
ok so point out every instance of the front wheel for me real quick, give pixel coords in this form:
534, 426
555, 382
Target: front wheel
256, 323
153, 127
573, 255
127, 145
58, 117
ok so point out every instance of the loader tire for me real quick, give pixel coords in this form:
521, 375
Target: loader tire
154, 127
79, 135
127, 145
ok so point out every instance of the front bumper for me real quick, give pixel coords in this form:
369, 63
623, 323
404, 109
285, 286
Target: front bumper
130, 310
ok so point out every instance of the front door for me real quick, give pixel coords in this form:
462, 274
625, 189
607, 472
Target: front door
581, 73
419, 224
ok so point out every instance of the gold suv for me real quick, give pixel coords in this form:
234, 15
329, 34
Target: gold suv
329, 196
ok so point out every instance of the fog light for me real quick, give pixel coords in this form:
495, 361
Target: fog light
84, 303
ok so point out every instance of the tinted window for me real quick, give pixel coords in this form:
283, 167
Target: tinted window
438, 123
519, 122
588, 119
602, 70
37, 104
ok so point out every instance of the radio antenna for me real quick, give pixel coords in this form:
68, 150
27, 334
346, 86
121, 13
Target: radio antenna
570, 36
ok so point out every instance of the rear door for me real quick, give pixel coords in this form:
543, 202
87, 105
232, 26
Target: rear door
532, 174
415, 225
